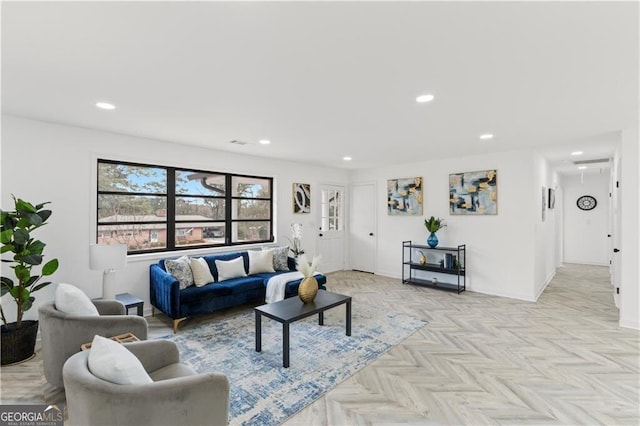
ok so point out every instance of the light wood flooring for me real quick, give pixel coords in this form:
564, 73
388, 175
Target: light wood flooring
480, 360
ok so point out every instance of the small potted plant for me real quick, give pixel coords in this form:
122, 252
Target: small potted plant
433, 225
19, 337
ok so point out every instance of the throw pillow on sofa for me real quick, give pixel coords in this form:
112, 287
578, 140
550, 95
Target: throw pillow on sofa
201, 272
260, 261
280, 258
228, 269
181, 269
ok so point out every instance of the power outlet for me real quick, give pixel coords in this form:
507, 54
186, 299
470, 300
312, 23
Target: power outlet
617, 290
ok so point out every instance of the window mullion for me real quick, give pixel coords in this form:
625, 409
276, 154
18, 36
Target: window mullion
171, 208
227, 209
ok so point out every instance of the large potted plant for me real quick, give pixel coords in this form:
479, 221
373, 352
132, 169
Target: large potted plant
19, 337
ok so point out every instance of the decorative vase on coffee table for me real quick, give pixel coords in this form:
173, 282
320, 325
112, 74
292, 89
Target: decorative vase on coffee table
308, 289
432, 240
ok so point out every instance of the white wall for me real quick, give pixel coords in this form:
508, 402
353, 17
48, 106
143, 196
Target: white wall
630, 215
500, 248
48, 162
585, 232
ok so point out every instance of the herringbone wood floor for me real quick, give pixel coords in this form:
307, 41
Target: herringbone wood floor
491, 360
480, 360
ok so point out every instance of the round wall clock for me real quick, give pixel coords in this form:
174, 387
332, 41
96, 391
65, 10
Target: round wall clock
587, 202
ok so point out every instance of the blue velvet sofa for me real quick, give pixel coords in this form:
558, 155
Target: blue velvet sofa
178, 304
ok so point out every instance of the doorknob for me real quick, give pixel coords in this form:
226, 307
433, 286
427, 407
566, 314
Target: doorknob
615, 250
371, 234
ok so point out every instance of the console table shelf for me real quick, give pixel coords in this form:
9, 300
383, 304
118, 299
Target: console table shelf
451, 261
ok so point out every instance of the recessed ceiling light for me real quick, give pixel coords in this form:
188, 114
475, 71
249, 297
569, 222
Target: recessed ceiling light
265, 142
346, 158
582, 167
577, 153
486, 136
424, 98
105, 105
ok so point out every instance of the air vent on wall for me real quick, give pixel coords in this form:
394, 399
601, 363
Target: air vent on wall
237, 142
596, 161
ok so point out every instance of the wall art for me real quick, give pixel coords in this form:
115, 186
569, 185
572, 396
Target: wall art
404, 196
473, 193
301, 198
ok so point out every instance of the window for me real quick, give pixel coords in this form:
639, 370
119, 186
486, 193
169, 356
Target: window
251, 208
332, 215
156, 208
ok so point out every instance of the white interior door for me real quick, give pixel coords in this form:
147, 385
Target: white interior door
362, 225
616, 236
332, 226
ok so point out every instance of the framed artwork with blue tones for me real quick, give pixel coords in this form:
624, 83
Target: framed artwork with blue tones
404, 196
473, 193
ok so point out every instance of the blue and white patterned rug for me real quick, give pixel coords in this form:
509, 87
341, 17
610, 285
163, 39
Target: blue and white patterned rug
265, 393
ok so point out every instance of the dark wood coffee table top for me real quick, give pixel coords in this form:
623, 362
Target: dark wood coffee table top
292, 309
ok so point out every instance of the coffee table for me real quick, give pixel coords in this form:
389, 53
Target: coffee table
292, 309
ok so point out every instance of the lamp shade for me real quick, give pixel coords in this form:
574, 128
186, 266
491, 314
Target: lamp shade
107, 256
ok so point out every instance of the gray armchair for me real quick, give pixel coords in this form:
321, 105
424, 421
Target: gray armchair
178, 396
62, 334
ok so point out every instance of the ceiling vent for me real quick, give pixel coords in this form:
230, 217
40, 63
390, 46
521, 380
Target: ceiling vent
596, 161
237, 142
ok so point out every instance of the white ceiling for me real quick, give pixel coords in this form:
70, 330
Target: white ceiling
325, 80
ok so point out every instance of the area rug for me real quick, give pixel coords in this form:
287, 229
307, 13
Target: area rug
262, 391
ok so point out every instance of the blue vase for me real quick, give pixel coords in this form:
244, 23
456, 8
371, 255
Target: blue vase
432, 241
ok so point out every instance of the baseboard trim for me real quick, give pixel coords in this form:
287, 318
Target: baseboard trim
389, 274
526, 298
634, 323
516, 296
585, 262
544, 286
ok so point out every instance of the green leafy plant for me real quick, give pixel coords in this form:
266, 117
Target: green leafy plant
434, 225
15, 236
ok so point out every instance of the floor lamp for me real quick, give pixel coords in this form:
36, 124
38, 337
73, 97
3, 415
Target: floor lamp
108, 258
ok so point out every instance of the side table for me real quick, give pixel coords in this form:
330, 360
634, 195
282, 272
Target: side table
120, 338
130, 301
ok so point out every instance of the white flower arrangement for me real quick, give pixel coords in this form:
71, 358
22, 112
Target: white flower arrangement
296, 239
308, 269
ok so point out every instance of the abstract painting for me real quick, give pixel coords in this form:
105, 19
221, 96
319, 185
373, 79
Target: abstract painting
301, 198
473, 193
404, 196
